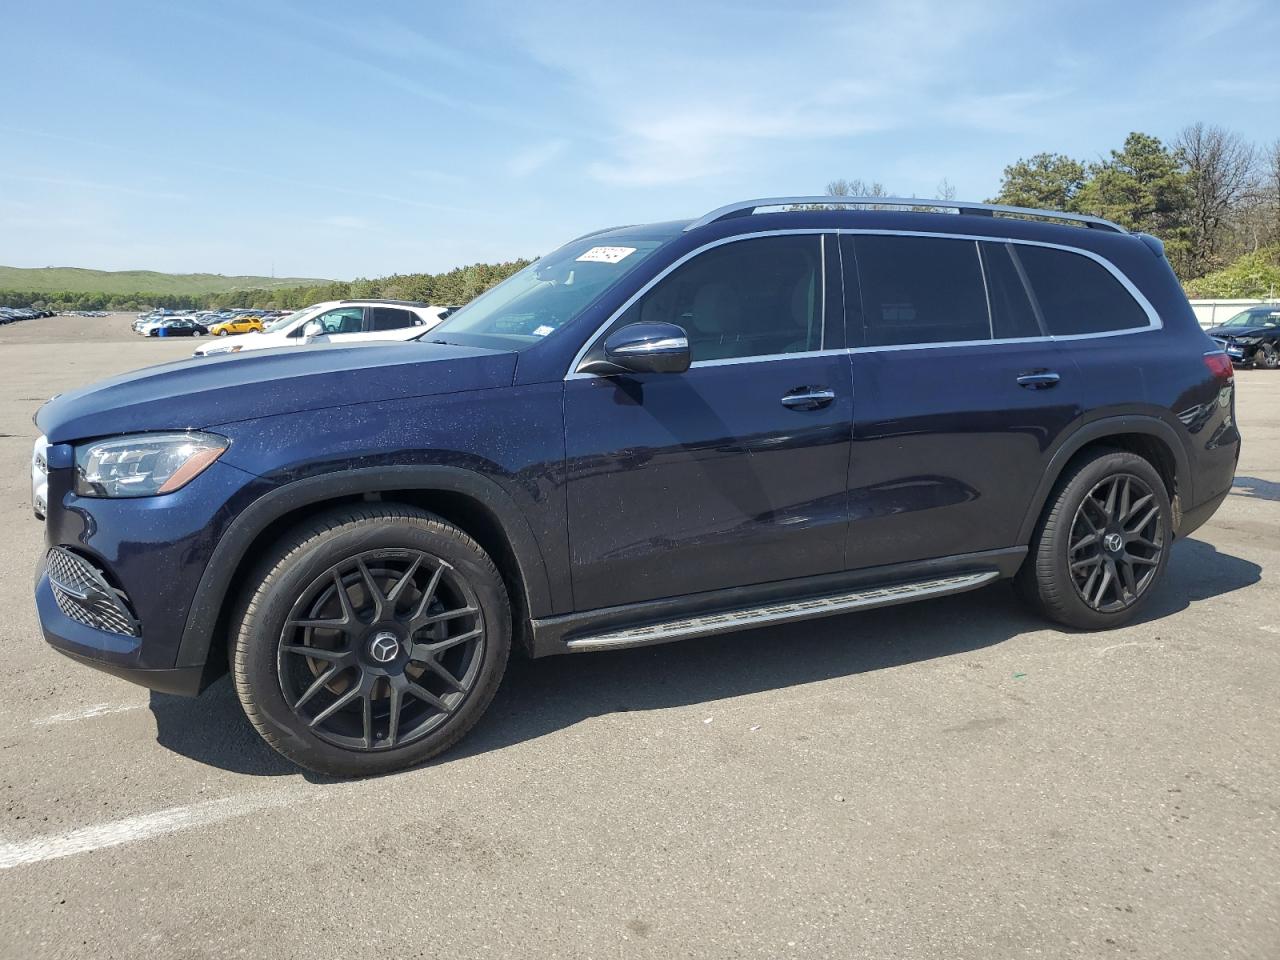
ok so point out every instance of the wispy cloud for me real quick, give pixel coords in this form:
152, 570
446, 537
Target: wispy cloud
346, 222
72, 183
706, 104
532, 159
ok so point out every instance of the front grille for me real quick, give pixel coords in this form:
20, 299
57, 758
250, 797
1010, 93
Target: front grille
83, 594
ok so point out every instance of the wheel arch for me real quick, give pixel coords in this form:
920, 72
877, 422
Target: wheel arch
470, 501
1149, 437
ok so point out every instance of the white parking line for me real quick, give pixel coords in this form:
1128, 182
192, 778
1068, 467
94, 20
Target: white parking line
97, 710
132, 829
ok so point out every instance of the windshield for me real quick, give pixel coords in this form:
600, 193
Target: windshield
279, 323
544, 296
1255, 318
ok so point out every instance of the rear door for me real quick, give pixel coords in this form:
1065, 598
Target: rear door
959, 396
389, 323
733, 472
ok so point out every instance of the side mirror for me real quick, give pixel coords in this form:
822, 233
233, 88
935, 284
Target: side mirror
644, 348
312, 330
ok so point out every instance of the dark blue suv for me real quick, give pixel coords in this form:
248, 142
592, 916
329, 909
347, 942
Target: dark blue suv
784, 409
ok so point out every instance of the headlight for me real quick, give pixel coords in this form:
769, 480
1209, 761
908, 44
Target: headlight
144, 465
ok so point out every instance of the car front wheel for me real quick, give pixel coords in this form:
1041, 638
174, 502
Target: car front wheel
1267, 356
372, 639
1102, 544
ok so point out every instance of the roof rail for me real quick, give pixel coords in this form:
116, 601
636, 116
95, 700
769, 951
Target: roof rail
747, 207
400, 303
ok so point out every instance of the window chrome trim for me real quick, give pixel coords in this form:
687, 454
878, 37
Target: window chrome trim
1153, 318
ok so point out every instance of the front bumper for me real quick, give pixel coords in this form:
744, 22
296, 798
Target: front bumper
113, 653
152, 552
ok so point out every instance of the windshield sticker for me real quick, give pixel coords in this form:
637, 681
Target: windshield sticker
543, 330
606, 254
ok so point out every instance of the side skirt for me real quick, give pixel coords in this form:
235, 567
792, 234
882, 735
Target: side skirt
724, 611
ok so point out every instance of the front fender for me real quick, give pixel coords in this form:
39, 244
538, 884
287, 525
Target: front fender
232, 549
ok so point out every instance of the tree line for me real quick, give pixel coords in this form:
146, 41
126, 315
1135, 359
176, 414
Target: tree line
1211, 196
454, 287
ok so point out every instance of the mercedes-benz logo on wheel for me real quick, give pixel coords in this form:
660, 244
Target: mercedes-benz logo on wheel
1113, 542
384, 647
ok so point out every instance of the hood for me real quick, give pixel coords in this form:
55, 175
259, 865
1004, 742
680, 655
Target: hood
242, 338
204, 392
1228, 332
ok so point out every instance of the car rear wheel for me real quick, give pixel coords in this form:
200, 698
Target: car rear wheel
1102, 545
372, 639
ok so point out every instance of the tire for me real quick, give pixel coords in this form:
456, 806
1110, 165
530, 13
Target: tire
221, 333
1068, 585
1267, 356
436, 677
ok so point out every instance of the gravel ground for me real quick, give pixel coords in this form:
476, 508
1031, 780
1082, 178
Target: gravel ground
950, 779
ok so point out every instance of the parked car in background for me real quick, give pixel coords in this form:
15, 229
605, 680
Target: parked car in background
235, 325
646, 435
14, 314
1252, 336
147, 328
176, 327
337, 321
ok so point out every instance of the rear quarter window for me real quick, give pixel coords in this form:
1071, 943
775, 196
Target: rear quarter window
1076, 294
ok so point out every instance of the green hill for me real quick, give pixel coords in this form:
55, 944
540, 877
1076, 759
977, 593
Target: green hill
76, 280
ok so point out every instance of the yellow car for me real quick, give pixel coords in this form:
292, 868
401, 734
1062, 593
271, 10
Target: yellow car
237, 325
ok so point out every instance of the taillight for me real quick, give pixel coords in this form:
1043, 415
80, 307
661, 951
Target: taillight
1219, 365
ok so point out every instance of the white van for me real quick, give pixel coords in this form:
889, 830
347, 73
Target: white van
336, 321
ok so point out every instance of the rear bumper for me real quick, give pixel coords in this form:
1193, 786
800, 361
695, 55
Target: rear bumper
111, 653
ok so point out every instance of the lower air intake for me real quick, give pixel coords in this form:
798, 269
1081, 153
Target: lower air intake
83, 594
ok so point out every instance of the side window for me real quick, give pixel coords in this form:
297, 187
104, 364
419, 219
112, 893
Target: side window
1012, 315
1077, 294
921, 290
389, 318
748, 298
342, 320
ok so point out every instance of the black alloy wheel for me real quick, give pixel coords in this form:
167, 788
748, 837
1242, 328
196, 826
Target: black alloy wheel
1267, 356
1116, 542
1102, 543
381, 649
370, 638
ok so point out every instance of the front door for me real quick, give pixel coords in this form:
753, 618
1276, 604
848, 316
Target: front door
340, 325
959, 397
724, 475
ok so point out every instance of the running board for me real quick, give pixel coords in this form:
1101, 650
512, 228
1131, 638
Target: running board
784, 612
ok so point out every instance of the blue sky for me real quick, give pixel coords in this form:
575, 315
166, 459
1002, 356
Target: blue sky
342, 140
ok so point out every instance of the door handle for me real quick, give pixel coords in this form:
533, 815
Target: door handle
1039, 380
808, 398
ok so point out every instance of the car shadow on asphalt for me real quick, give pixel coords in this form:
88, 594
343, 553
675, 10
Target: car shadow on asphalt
540, 697
1255, 488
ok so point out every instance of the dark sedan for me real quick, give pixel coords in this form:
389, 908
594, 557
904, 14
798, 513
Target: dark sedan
179, 328
1252, 336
